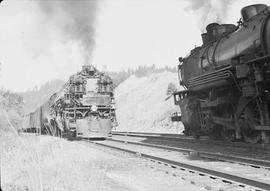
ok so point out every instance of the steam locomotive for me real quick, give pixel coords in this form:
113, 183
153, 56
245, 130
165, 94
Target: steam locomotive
227, 80
83, 108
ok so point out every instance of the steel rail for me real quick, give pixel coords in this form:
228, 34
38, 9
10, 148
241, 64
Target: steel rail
180, 137
173, 164
208, 155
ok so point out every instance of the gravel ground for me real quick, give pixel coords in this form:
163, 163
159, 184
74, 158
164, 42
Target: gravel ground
245, 171
30, 162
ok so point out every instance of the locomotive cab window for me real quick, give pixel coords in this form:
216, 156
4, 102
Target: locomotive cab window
177, 97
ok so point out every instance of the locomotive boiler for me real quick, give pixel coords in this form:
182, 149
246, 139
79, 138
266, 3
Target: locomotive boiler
84, 107
227, 80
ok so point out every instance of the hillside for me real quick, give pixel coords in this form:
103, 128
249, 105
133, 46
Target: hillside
37, 96
141, 104
11, 104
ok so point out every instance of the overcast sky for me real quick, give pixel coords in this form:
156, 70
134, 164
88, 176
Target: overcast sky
43, 40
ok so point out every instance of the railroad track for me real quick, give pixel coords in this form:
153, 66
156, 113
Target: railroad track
189, 139
206, 155
213, 174
258, 152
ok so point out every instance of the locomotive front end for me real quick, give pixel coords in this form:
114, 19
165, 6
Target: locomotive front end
227, 80
95, 111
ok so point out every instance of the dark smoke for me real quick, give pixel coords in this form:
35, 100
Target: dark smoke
76, 20
210, 10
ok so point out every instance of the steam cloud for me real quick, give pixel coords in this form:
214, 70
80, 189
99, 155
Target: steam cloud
76, 19
209, 10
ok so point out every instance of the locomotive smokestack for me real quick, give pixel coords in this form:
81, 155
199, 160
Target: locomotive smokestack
204, 38
211, 31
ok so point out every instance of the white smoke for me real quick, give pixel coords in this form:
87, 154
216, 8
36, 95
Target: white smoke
209, 11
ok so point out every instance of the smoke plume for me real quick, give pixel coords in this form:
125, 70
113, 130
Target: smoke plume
209, 10
75, 19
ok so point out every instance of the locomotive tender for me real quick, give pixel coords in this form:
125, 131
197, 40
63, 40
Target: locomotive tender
227, 80
84, 107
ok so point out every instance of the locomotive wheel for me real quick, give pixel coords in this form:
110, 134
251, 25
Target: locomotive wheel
250, 117
229, 135
195, 135
217, 132
187, 131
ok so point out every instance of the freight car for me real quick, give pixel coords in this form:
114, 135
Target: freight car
227, 80
84, 107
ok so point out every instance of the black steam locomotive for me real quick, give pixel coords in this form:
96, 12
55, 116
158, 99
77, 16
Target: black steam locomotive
227, 80
84, 108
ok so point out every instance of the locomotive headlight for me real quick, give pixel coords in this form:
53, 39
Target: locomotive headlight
94, 108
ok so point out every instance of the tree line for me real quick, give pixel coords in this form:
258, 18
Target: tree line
140, 71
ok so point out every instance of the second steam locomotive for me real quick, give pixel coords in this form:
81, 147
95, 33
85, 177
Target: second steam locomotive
84, 107
227, 80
